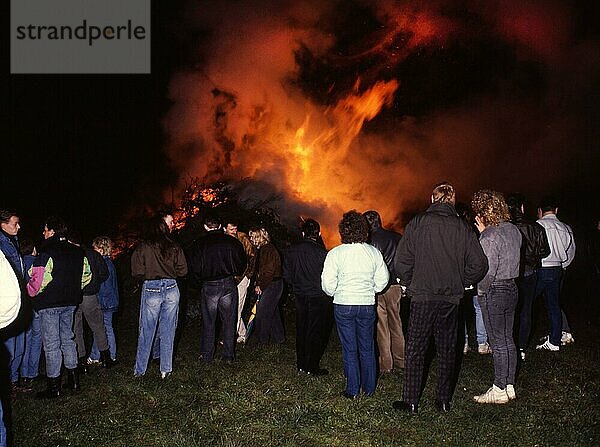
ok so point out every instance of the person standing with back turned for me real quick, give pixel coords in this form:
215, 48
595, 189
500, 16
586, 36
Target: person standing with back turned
438, 256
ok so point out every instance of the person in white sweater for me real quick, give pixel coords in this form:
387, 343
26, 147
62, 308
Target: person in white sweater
353, 273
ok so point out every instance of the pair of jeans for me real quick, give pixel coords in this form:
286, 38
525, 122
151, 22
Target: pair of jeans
527, 293
16, 347
219, 297
267, 324
480, 333
58, 339
110, 336
159, 307
498, 308
33, 348
549, 283
90, 309
355, 325
390, 338
314, 315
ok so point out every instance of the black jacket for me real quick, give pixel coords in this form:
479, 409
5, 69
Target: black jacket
99, 271
302, 267
439, 256
217, 256
67, 269
534, 246
386, 242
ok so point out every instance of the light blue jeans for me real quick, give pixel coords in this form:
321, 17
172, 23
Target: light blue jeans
33, 348
15, 347
58, 339
159, 307
2, 428
479, 325
107, 315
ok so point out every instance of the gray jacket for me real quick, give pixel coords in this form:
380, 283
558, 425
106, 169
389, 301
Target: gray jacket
502, 247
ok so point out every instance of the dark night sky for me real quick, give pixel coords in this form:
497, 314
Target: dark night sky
91, 147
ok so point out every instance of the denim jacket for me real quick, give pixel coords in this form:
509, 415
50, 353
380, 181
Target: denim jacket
10, 248
108, 295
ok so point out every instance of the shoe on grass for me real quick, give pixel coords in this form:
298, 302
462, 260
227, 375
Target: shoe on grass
92, 362
522, 354
494, 395
466, 349
547, 346
484, 348
567, 338
510, 392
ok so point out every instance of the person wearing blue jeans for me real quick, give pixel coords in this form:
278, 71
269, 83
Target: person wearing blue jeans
562, 252
353, 273
58, 276
157, 260
159, 307
108, 300
219, 297
480, 332
33, 349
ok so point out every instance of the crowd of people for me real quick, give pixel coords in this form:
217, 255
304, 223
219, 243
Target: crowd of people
363, 285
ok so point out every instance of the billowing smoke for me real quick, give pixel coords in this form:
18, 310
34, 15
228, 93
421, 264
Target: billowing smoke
367, 104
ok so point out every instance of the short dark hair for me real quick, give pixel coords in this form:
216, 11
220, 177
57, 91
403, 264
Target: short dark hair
26, 246
353, 228
373, 219
212, 222
57, 224
310, 228
548, 203
515, 200
6, 214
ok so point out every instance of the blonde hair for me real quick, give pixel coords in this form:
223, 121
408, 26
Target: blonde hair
103, 244
443, 192
490, 206
259, 237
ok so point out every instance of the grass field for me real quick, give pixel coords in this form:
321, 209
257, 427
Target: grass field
261, 401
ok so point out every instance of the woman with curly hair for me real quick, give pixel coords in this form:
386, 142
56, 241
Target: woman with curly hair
108, 299
353, 273
269, 287
497, 291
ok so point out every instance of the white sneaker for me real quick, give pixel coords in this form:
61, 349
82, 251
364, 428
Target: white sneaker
566, 338
466, 349
93, 362
241, 339
547, 346
510, 392
484, 349
494, 395
522, 354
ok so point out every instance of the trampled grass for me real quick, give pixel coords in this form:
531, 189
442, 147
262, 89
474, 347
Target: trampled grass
261, 401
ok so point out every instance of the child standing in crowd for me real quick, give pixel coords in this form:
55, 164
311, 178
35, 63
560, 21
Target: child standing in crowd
108, 299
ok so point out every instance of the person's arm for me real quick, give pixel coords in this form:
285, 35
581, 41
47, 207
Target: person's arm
382, 274
492, 253
181, 267
40, 275
570, 249
138, 264
329, 276
404, 259
86, 275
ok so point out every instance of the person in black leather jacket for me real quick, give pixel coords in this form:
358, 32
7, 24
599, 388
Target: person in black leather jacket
534, 248
390, 338
215, 260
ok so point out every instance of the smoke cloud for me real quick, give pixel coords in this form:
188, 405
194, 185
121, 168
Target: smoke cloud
366, 105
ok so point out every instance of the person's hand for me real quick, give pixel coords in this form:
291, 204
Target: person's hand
479, 224
257, 290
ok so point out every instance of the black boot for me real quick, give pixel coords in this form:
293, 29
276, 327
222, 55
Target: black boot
82, 365
52, 389
107, 362
73, 380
